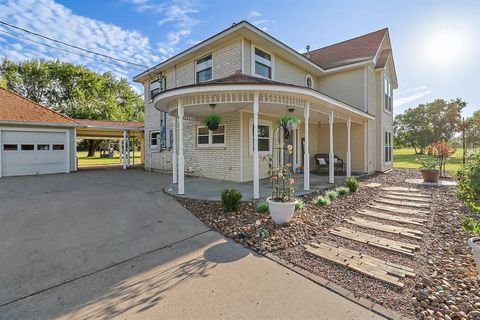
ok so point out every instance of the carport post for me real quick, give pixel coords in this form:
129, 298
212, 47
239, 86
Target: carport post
128, 148
174, 150
124, 160
181, 159
331, 168
349, 153
306, 155
1, 153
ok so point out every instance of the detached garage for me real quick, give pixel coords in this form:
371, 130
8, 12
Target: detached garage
33, 138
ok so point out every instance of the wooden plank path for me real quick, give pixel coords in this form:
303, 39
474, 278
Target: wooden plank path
406, 198
401, 189
407, 194
393, 209
407, 232
365, 264
386, 216
375, 241
403, 203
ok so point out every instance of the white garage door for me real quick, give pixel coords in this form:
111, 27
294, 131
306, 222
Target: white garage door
29, 152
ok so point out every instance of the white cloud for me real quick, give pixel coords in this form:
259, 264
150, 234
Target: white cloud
254, 14
263, 24
406, 96
56, 21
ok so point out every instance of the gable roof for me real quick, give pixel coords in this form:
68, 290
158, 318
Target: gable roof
15, 108
360, 49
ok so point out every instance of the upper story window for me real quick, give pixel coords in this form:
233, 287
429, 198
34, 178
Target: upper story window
309, 81
157, 86
388, 95
206, 137
204, 69
263, 64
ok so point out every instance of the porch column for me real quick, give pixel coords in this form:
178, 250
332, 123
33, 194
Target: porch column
174, 151
306, 155
331, 165
124, 158
256, 160
181, 159
349, 151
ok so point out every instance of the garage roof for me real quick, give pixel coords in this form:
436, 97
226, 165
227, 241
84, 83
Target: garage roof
16, 108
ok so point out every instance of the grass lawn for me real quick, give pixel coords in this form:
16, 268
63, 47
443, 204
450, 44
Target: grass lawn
406, 158
97, 161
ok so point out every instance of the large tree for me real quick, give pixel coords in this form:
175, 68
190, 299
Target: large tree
74, 90
425, 124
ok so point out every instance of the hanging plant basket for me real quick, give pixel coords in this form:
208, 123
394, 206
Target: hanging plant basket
288, 122
212, 121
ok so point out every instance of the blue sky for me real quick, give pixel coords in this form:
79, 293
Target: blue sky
436, 43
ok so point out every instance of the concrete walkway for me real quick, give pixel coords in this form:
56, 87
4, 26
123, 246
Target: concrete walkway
111, 244
210, 189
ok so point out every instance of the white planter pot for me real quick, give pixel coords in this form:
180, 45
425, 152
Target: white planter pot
281, 212
474, 243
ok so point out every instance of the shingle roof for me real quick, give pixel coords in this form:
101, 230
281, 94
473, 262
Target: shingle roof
355, 50
110, 124
16, 108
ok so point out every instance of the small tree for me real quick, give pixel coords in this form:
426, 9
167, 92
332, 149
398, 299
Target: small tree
442, 151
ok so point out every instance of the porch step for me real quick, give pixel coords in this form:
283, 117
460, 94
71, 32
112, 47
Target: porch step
370, 266
375, 241
411, 233
393, 209
403, 203
386, 216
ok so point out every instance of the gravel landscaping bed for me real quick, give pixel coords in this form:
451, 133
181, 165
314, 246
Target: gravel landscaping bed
446, 281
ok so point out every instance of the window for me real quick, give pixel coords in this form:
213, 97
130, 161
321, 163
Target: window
388, 146
154, 135
206, 137
58, 147
157, 86
204, 69
263, 64
43, 147
388, 93
309, 81
27, 147
264, 134
10, 147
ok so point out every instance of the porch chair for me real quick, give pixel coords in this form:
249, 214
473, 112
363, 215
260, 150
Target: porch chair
322, 161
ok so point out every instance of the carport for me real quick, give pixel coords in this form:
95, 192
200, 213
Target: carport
123, 131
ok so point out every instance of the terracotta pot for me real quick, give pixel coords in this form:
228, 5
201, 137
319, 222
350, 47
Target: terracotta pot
430, 175
281, 212
474, 243
212, 125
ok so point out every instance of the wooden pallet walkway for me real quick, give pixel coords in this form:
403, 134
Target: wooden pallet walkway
408, 194
393, 209
402, 203
401, 189
365, 264
406, 198
386, 216
375, 241
407, 232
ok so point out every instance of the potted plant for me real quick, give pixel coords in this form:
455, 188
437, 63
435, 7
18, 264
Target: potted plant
430, 171
212, 121
472, 226
288, 122
282, 202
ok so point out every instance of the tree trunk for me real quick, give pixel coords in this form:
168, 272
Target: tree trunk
91, 148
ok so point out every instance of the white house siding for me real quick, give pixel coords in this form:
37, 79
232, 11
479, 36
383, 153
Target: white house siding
346, 86
289, 73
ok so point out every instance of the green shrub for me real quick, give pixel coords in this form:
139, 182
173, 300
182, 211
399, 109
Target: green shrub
231, 199
469, 183
352, 184
299, 204
332, 194
470, 225
342, 190
262, 207
321, 201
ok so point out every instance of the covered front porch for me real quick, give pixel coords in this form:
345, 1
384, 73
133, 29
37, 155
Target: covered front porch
329, 130
210, 189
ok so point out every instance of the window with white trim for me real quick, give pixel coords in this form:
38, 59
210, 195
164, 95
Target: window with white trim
158, 85
209, 138
263, 64
309, 81
264, 137
154, 139
387, 142
204, 69
388, 95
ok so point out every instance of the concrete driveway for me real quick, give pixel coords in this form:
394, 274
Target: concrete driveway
106, 244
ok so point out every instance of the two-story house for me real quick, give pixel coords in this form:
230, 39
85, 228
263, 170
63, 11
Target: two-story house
341, 93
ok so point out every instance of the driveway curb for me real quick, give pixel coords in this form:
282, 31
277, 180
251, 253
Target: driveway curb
374, 307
